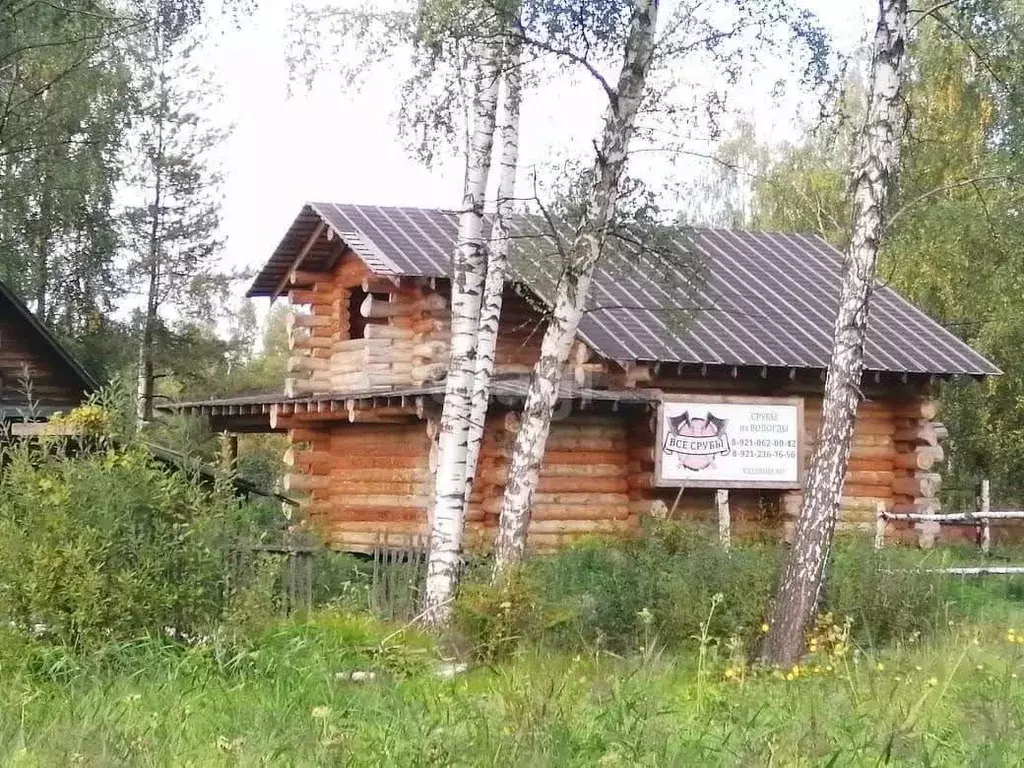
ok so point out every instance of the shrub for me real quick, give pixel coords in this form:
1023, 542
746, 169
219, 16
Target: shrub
663, 585
107, 545
497, 621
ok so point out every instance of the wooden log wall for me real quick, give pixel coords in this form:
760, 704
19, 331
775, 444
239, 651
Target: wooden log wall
320, 323
357, 331
26, 361
583, 489
364, 480
360, 481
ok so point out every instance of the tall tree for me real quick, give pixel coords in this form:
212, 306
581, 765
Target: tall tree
172, 233
954, 244
728, 37
497, 254
574, 285
63, 109
874, 177
447, 520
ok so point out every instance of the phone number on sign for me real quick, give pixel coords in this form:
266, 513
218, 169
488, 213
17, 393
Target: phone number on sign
765, 454
747, 442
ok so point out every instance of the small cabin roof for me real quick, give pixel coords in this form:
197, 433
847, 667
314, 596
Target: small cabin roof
47, 341
679, 295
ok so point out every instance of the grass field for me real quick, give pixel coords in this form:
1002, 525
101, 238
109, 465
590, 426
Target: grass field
283, 696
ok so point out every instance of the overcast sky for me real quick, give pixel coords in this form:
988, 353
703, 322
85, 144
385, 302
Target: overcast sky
330, 143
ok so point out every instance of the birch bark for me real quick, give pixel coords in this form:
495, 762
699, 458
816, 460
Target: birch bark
497, 259
447, 520
874, 177
573, 289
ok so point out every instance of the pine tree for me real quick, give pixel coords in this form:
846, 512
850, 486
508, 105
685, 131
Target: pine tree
172, 232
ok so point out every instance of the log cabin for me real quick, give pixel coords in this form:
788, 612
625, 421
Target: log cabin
693, 338
38, 375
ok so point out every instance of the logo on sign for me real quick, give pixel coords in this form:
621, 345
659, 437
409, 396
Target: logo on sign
696, 440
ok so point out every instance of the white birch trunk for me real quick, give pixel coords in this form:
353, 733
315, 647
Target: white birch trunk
573, 289
875, 175
447, 520
497, 261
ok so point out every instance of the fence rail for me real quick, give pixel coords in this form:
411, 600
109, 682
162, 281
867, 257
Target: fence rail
983, 519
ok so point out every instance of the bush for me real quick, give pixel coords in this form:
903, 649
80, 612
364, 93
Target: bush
108, 545
497, 621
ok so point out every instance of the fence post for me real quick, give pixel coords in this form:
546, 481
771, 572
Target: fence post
986, 507
724, 521
879, 524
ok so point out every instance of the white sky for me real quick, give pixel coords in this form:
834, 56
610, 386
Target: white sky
332, 144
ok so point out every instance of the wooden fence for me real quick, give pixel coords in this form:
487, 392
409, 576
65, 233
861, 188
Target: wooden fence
983, 519
396, 568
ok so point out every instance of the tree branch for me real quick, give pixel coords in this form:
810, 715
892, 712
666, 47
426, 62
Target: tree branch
973, 181
929, 12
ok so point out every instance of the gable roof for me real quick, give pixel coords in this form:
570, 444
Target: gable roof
765, 299
82, 377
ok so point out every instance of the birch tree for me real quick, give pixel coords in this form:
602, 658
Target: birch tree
497, 258
873, 180
574, 286
447, 519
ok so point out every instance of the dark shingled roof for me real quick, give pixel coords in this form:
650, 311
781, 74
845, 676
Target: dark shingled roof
765, 298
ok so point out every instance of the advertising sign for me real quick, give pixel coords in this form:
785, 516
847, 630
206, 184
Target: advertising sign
730, 442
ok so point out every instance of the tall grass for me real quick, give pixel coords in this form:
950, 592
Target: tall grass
281, 699
665, 584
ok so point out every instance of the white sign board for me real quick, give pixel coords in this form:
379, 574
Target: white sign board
730, 442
